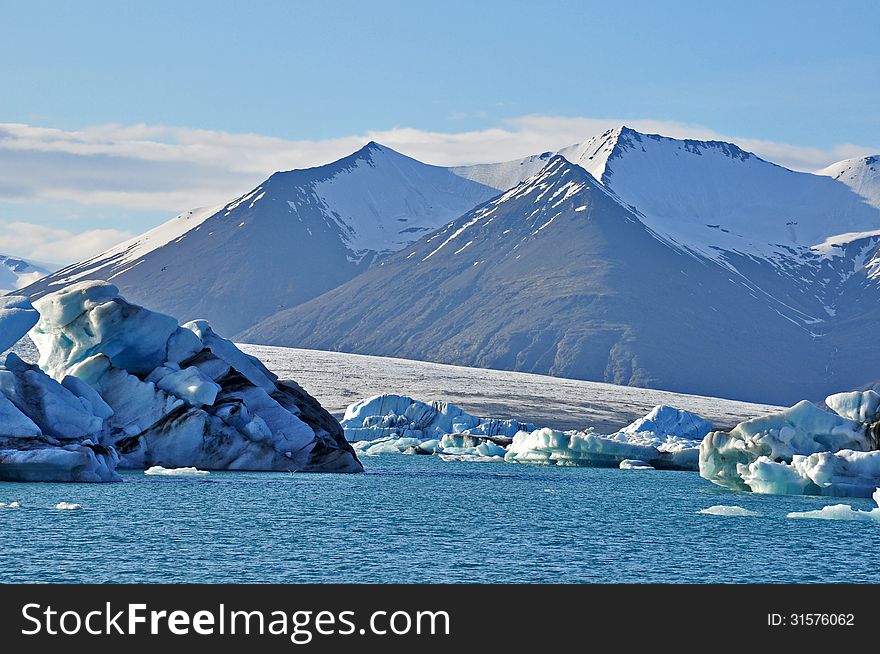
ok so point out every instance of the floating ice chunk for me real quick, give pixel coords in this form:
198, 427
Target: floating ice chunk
17, 317
841, 512
68, 506
766, 455
169, 396
635, 464
405, 417
721, 509
551, 447
11, 505
860, 406
176, 472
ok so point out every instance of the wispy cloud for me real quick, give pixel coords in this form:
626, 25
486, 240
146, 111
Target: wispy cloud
149, 167
49, 244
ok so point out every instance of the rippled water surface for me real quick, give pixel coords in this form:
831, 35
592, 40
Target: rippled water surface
418, 519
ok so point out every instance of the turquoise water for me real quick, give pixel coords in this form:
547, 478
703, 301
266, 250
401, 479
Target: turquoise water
418, 519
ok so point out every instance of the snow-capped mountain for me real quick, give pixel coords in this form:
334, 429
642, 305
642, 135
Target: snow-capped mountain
559, 275
16, 273
861, 174
298, 234
713, 197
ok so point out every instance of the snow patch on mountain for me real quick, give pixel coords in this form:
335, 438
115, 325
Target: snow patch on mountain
861, 174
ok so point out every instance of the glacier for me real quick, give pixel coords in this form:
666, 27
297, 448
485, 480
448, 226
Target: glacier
802, 450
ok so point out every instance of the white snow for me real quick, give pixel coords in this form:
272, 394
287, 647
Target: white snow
725, 510
861, 174
175, 472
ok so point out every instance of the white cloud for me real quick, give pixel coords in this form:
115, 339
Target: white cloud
150, 167
49, 244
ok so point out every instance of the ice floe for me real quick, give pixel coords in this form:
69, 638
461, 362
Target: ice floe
726, 510
68, 506
803, 450
841, 512
175, 472
11, 505
634, 464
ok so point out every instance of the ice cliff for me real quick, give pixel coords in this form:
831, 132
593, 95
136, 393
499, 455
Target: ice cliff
118, 384
803, 450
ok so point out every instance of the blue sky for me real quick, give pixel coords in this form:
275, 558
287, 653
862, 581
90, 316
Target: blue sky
125, 113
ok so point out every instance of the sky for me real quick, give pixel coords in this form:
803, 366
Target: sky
116, 116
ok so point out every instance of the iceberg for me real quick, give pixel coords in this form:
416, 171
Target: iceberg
803, 450
11, 505
635, 464
665, 438
841, 512
160, 394
404, 417
736, 511
68, 506
175, 472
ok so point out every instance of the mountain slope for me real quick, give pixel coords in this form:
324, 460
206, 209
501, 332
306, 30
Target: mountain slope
712, 196
861, 174
16, 273
298, 234
558, 276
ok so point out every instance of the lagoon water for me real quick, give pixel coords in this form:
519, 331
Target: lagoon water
418, 519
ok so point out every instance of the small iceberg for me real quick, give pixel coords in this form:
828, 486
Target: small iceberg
68, 506
721, 509
840, 512
11, 505
176, 472
666, 438
635, 464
